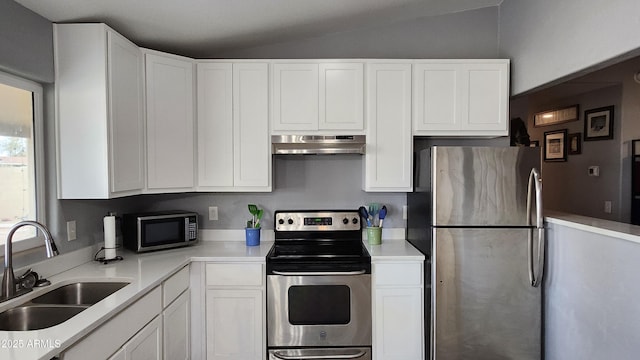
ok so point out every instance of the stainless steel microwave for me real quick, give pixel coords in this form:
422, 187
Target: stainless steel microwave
159, 230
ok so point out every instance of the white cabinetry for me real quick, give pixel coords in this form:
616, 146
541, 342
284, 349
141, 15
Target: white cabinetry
318, 96
176, 316
99, 113
388, 160
233, 127
147, 343
170, 122
461, 97
398, 319
235, 311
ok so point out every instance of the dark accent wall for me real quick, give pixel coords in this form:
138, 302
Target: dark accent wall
26, 43
567, 185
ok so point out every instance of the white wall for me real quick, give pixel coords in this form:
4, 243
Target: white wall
549, 39
591, 296
469, 34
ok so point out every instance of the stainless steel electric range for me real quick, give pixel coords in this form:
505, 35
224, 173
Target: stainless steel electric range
318, 287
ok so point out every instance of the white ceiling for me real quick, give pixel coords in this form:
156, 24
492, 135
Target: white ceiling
200, 27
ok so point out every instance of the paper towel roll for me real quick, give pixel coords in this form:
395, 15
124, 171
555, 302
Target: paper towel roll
109, 237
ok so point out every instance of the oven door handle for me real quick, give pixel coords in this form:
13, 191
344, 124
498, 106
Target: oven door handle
282, 355
318, 273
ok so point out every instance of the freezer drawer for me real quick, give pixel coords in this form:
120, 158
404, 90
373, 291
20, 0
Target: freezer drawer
484, 307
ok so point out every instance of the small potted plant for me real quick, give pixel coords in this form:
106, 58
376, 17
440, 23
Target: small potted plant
253, 226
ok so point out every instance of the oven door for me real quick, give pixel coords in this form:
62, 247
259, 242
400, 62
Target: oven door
322, 310
323, 353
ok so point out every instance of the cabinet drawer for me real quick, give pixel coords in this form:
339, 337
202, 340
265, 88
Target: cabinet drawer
238, 274
174, 286
394, 274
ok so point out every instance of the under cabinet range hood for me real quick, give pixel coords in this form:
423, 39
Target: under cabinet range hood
317, 144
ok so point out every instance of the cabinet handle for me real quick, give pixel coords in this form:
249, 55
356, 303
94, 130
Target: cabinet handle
321, 273
282, 355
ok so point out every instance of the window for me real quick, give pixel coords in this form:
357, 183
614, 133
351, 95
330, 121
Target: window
21, 157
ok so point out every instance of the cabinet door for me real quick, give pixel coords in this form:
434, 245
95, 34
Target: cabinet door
119, 355
235, 325
176, 329
252, 145
437, 96
147, 343
295, 96
215, 124
170, 131
126, 148
488, 97
389, 141
341, 96
397, 325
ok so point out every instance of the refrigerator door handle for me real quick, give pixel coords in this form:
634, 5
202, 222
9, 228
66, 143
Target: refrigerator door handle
535, 182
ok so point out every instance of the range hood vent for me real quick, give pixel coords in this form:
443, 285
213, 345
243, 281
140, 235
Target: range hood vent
318, 144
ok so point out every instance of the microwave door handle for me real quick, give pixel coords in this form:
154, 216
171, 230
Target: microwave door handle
318, 273
282, 355
186, 229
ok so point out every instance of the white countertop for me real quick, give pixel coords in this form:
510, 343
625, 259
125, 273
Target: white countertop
393, 250
144, 272
610, 228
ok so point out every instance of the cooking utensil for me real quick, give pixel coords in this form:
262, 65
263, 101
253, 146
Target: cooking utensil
373, 209
364, 214
382, 214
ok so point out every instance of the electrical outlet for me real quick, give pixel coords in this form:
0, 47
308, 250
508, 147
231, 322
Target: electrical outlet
71, 230
404, 212
213, 213
607, 207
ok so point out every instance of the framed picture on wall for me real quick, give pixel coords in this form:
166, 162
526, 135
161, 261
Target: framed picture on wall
555, 145
558, 116
574, 142
598, 124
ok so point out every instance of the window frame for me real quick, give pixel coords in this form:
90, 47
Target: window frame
39, 156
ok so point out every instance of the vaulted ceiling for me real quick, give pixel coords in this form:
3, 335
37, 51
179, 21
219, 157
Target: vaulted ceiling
199, 27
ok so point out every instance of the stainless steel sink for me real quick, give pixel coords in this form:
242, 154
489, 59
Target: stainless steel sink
34, 317
57, 305
80, 293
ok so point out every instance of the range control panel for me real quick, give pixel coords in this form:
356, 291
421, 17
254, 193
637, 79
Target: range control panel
317, 220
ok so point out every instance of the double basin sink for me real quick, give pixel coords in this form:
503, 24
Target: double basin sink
57, 305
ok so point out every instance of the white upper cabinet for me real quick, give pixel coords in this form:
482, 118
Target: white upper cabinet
461, 98
99, 113
341, 96
215, 124
252, 145
324, 97
233, 127
170, 122
388, 158
295, 96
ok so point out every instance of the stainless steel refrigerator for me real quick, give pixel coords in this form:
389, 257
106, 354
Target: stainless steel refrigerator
476, 213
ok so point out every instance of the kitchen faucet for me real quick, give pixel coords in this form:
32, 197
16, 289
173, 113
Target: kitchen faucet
9, 279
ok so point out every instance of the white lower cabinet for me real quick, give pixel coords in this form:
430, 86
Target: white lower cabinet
147, 343
234, 324
176, 329
229, 314
398, 318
